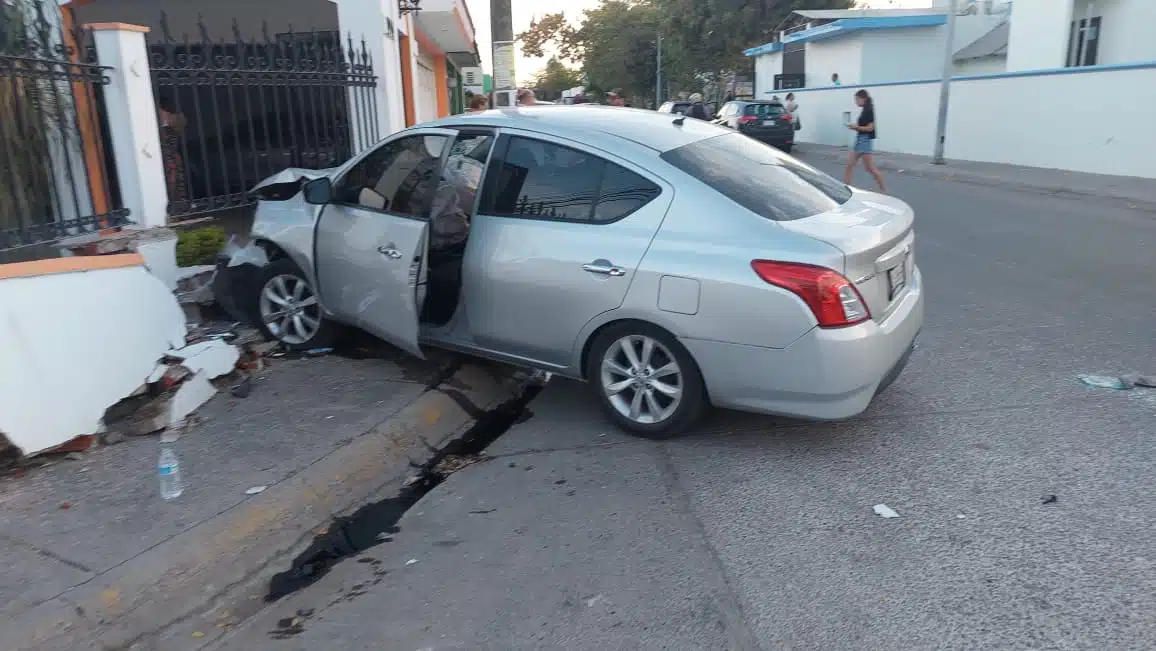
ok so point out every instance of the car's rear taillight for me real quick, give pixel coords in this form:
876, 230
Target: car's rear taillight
787, 117
832, 298
747, 119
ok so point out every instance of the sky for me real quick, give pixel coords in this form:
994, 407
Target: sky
527, 10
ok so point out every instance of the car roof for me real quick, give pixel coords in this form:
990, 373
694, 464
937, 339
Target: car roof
651, 129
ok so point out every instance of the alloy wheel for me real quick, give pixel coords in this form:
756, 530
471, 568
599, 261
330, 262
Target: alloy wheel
290, 309
641, 379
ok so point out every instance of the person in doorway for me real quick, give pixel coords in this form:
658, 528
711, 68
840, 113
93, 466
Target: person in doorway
865, 133
793, 108
526, 97
697, 109
835, 79
478, 103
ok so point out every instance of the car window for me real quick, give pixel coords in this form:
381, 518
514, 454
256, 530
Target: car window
765, 110
453, 203
759, 177
545, 180
621, 193
398, 177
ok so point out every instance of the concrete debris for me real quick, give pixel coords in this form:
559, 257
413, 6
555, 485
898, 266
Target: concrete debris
193, 393
885, 511
243, 388
213, 357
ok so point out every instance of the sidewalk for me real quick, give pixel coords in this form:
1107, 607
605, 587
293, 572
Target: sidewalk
1133, 191
571, 536
96, 560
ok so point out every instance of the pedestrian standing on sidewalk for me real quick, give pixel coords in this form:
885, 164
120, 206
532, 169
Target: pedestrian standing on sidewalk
865, 132
793, 108
526, 97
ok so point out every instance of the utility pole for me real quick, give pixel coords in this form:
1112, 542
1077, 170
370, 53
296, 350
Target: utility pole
502, 33
658, 82
945, 84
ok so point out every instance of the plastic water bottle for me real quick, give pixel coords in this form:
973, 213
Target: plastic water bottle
169, 470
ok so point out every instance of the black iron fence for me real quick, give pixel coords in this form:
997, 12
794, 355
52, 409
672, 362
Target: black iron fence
54, 176
234, 112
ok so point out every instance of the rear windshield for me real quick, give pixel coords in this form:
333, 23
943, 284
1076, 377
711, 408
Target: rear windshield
759, 177
764, 110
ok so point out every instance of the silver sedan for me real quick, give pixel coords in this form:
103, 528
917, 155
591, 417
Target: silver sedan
670, 263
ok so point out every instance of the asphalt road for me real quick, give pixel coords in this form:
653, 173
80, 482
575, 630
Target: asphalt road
755, 533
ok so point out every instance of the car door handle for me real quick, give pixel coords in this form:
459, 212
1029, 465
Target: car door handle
603, 267
389, 252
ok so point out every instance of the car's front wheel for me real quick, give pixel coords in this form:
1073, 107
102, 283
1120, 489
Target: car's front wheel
289, 310
646, 382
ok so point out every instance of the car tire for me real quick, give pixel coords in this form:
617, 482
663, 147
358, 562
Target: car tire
283, 280
666, 397
786, 148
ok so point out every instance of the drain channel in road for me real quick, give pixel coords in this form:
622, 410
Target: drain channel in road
375, 523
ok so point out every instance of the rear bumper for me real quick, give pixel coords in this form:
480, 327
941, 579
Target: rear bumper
824, 375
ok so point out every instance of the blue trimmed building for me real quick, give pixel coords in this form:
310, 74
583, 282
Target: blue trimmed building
877, 46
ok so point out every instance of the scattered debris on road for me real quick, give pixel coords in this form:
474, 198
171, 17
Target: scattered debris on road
1120, 383
1104, 382
1050, 499
885, 511
255, 490
412, 561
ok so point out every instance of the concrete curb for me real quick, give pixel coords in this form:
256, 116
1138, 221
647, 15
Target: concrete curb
949, 173
188, 574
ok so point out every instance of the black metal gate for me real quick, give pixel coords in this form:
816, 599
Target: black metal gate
54, 180
234, 112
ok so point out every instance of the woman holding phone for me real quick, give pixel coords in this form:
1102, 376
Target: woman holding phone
865, 133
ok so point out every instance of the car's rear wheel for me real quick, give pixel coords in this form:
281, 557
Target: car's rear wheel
289, 310
646, 382
786, 148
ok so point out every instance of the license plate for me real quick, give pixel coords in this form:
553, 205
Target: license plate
897, 279
768, 123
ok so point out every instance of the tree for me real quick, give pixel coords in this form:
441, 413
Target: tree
555, 78
614, 43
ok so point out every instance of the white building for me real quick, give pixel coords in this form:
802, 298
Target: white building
865, 47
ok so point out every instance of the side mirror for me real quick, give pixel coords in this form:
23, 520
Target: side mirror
318, 191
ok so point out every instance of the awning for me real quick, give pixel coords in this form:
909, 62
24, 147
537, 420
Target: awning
836, 14
992, 43
849, 26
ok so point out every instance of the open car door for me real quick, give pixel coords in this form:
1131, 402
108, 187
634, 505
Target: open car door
372, 237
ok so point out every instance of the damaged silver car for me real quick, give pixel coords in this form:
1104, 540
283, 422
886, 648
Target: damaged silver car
670, 263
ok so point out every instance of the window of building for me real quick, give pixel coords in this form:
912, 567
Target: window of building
1084, 42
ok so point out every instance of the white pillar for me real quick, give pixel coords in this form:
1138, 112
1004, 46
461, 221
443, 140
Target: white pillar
1040, 33
377, 21
132, 121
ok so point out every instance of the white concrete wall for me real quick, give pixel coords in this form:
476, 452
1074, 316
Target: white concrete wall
1039, 36
1008, 119
766, 67
992, 65
901, 54
47, 349
835, 55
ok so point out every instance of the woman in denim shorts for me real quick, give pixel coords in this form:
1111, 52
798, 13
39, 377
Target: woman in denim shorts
865, 132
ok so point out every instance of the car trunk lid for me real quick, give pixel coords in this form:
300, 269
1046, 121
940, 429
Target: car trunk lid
874, 232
